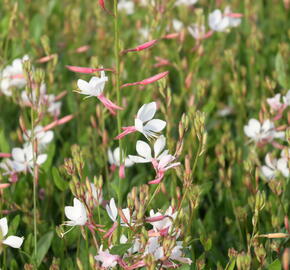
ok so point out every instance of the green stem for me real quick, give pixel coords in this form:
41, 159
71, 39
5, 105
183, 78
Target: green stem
117, 82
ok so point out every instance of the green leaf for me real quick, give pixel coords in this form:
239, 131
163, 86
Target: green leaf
4, 146
58, 181
120, 249
231, 265
276, 265
14, 224
281, 71
43, 246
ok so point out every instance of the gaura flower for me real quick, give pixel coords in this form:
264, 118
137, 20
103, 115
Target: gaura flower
262, 133
23, 158
114, 160
275, 102
145, 123
162, 161
12, 241
76, 213
177, 25
96, 196
274, 167
13, 76
221, 22
108, 260
95, 88
43, 137
113, 213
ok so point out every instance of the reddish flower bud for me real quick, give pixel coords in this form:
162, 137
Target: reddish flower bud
87, 70
142, 47
46, 58
150, 80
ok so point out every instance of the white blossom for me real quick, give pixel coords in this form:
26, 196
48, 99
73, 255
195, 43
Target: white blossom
12, 241
76, 213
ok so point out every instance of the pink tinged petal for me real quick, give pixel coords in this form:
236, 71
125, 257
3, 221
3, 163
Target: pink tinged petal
13, 241
155, 125
154, 219
82, 49
157, 180
18, 155
147, 81
142, 47
144, 150
108, 104
147, 111
111, 230
127, 130
159, 145
3, 226
87, 70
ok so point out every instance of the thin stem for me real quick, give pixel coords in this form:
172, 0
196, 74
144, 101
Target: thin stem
117, 82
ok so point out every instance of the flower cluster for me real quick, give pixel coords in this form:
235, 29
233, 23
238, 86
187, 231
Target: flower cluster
264, 132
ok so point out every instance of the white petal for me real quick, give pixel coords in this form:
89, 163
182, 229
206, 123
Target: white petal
144, 150
47, 138
4, 226
83, 85
18, 155
159, 145
137, 159
155, 125
110, 157
41, 159
147, 111
112, 210
267, 172
13, 241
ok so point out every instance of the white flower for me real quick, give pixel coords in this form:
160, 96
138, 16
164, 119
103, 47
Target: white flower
144, 33
176, 254
165, 223
77, 214
113, 213
218, 22
43, 137
221, 22
185, 2
262, 132
177, 25
53, 106
197, 31
145, 124
153, 247
144, 151
136, 244
233, 22
23, 158
274, 166
275, 103
94, 87
108, 260
12, 241
126, 6
114, 158
13, 76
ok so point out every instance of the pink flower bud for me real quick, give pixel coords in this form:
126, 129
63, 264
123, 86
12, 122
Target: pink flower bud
82, 49
46, 58
6, 185
127, 130
150, 80
5, 155
142, 47
234, 15
58, 122
87, 70
172, 36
